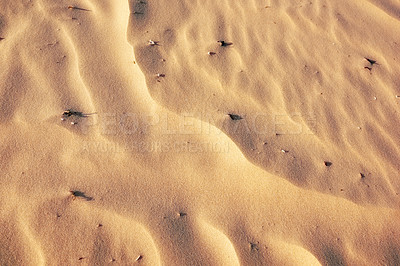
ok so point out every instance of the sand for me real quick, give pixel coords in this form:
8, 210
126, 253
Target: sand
279, 147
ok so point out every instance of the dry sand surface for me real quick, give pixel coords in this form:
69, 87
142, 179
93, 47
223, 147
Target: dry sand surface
279, 147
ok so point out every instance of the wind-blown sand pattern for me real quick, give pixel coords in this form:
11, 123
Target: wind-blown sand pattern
280, 148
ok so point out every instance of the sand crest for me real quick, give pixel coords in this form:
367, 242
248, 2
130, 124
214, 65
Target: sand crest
199, 132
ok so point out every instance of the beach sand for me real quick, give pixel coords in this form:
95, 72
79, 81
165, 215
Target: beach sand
279, 147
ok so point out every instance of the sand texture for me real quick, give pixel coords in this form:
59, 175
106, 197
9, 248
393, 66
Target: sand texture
277, 146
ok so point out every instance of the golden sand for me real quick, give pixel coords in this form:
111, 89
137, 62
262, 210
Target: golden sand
277, 145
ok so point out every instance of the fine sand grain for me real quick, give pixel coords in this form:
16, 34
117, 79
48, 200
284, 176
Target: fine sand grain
206, 132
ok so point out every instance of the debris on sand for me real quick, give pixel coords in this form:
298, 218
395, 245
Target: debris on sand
152, 43
79, 194
78, 8
70, 113
371, 61
224, 43
235, 117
